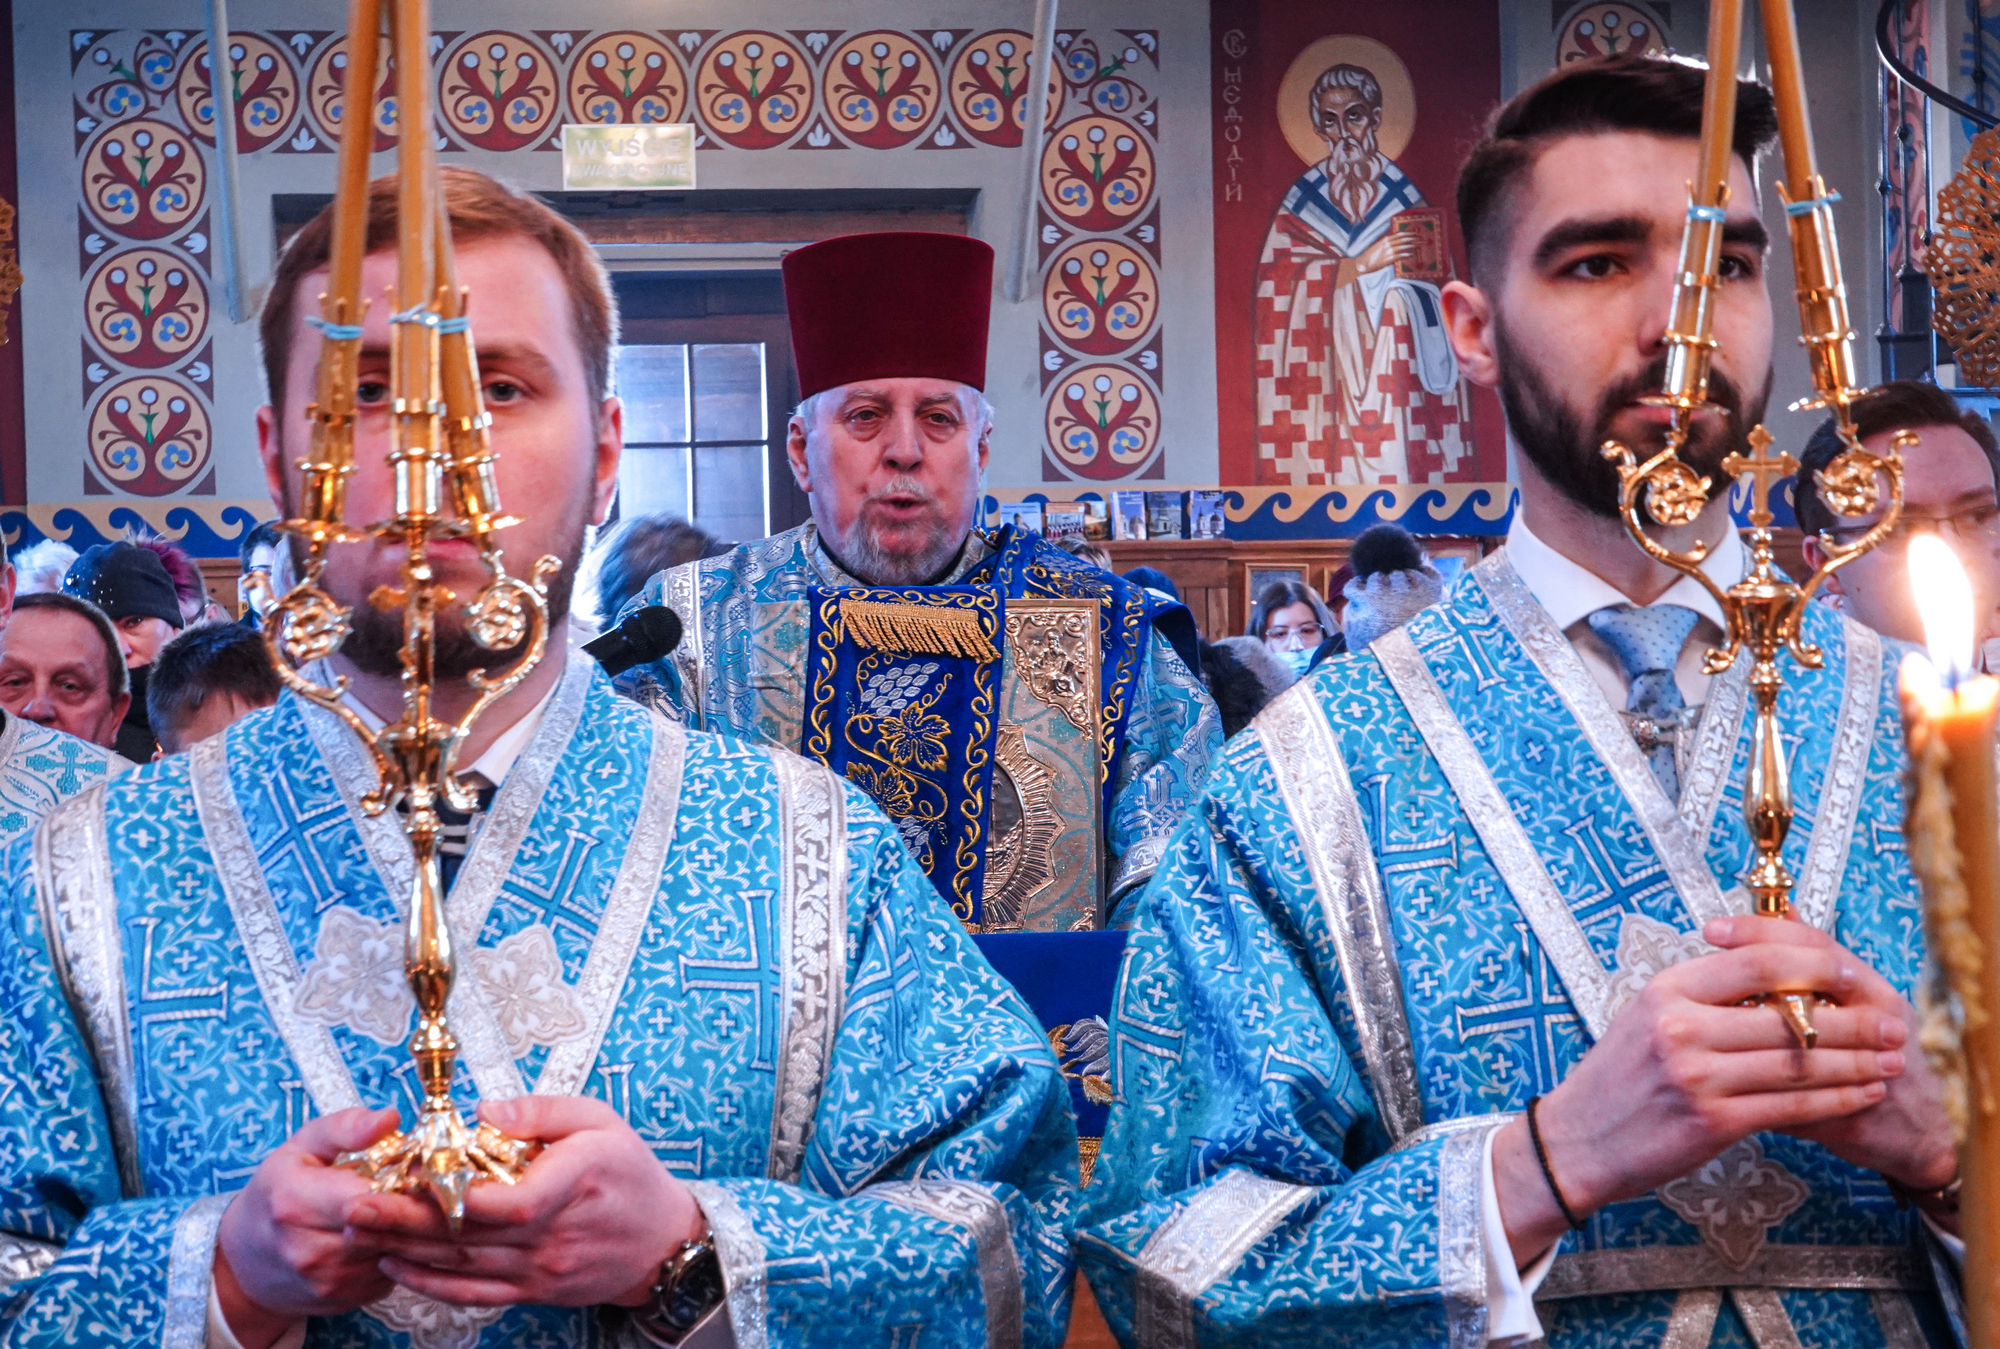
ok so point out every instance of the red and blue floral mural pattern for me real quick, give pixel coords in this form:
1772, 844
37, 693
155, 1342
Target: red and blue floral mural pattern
1100, 252
144, 118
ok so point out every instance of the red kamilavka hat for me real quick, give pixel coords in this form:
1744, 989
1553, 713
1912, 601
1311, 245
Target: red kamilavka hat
879, 306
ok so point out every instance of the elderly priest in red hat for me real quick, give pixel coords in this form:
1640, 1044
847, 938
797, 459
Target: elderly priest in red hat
1033, 724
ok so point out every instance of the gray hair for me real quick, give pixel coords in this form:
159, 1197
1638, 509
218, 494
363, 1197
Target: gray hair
41, 568
1343, 77
813, 405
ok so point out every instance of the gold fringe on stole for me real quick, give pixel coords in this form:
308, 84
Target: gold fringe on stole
916, 629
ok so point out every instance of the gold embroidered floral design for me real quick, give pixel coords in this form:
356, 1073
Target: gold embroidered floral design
356, 977
1735, 1199
916, 735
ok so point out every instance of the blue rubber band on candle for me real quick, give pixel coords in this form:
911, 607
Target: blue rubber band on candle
419, 314
1807, 207
338, 332
457, 325
1705, 213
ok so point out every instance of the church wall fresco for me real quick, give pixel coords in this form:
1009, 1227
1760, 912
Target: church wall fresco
1337, 134
164, 381
1160, 213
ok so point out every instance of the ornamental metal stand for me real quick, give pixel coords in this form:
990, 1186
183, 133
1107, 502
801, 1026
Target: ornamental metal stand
439, 444
1766, 608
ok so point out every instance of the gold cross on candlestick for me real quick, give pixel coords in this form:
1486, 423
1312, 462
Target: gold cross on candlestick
1763, 472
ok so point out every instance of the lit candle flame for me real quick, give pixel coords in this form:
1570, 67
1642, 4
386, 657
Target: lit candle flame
1944, 602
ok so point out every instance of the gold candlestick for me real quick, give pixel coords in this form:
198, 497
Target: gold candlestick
438, 438
1765, 610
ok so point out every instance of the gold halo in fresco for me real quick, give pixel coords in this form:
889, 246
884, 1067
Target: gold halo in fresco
1399, 94
881, 89
623, 79
1100, 296
266, 91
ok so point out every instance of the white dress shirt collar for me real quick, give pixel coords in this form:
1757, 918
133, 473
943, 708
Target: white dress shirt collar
1571, 592
495, 763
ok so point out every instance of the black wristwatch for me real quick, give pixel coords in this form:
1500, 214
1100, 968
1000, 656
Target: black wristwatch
688, 1288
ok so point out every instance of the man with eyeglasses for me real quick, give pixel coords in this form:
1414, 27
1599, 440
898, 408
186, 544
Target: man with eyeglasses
1949, 489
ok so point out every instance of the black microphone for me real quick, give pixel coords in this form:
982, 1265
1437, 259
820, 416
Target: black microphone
646, 636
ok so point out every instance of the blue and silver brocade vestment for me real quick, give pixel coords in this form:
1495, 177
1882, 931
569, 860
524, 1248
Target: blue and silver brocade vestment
766, 656
41, 768
1411, 898
1032, 725
723, 943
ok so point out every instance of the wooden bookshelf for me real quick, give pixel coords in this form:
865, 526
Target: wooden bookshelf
1219, 578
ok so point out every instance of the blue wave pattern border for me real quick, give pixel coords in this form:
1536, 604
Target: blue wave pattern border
1275, 515
211, 529
1254, 515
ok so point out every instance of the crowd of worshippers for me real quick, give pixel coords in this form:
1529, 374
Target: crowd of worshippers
122, 645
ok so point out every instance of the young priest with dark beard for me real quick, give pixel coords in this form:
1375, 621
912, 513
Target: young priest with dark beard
1451, 958
850, 1091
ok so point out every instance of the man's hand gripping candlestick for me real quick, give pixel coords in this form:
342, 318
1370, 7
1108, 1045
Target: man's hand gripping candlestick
439, 446
1765, 609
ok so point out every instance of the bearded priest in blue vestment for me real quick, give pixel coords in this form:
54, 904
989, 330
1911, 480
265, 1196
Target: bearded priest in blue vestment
1432, 1028
785, 1101
1034, 725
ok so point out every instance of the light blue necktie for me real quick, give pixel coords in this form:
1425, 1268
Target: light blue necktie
1647, 643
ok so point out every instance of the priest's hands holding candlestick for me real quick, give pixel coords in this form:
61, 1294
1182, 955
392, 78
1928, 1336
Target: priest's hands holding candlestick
590, 1224
1685, 1070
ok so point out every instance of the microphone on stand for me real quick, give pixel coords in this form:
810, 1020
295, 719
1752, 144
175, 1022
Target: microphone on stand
648, 635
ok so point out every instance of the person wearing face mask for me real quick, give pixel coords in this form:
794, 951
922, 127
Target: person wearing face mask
1295, 625
131, 585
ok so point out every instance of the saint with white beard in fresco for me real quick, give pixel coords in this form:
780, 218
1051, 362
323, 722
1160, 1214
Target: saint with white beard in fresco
1356, 382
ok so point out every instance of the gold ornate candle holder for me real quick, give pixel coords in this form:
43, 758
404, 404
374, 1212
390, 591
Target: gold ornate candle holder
1765, 612
1766, 609
439, 447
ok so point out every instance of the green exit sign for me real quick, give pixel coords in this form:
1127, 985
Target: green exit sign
653, 156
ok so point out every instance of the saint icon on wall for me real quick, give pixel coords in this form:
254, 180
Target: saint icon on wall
1355, 379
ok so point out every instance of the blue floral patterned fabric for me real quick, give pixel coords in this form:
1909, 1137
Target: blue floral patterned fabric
868, 1114
742, 667
1269, 1178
